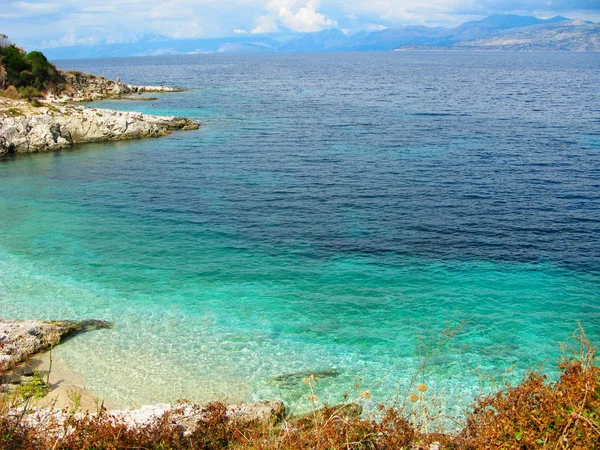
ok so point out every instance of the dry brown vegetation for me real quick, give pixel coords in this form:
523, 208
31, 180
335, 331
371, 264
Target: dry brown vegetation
534, 414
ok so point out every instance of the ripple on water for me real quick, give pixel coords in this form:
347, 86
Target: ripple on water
321, 230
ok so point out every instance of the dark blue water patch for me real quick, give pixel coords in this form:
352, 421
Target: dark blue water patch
443, 156
439, 114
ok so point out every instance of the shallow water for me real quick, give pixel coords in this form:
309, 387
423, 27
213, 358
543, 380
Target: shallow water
331, 210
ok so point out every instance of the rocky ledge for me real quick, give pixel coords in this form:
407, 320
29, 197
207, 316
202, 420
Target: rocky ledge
20, 339
83, 87
28, 129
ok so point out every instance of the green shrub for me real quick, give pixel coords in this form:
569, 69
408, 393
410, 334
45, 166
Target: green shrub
44, 73
29, 93
29, 69
35, 387
14, 63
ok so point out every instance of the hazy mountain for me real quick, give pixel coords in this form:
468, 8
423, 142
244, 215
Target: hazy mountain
161, 45
395, 37
495, 23
574, 35
317, 42
491, 32
392, 38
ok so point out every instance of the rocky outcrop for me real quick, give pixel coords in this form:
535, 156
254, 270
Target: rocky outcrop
142, 89
20, 339
187, 415
53, 127
82, 87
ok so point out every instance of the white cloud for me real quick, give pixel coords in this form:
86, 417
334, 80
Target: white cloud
306, 18
376, 27
68, 40
265, 24
34, 22
33, 8
402, 11
293, 15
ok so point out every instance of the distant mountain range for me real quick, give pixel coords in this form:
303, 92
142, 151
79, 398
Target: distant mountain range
496, 32
572, 36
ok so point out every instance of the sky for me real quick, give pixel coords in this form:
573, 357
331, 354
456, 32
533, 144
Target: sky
53, 23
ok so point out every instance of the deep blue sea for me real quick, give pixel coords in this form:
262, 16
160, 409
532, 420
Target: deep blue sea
333, 214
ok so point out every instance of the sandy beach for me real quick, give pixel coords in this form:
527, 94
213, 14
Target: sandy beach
67, 387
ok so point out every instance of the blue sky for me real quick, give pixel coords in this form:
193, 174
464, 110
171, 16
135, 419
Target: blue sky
51, 23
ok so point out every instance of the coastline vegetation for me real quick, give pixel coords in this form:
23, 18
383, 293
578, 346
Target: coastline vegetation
30, 73
533, 414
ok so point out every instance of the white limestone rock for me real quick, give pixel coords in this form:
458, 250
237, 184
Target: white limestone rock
54, 127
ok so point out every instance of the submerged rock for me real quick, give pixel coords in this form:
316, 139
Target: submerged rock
295, 378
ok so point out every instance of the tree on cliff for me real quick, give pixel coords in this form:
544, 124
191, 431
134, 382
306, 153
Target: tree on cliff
4, 41
24, 70
44, 73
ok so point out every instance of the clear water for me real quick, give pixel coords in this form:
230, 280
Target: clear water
331, 210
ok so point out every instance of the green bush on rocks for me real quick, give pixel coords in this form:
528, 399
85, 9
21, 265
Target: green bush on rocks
28, 70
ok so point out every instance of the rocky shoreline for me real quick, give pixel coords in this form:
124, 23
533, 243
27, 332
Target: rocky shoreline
82, 87
28, 129
21, 340
182, 415
57, 123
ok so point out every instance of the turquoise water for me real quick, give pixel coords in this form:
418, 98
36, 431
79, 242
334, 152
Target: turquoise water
317, 223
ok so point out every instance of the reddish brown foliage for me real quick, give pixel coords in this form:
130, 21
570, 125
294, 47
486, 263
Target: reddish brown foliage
534, 414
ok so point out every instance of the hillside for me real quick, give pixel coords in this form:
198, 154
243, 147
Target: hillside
573, 36
444, 37
162, 45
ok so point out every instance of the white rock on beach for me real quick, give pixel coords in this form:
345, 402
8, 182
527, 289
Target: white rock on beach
187, 414
183, 416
